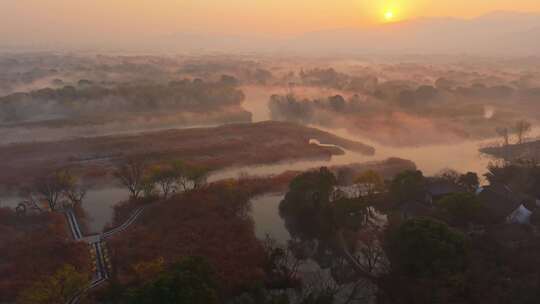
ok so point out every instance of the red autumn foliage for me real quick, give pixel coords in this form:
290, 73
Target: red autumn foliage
34, 246
212, 222
219, 147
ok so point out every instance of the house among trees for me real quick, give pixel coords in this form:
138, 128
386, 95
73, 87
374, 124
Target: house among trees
437, 188
504, 205
434, 189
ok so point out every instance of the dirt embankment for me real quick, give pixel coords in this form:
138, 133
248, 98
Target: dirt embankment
225, 146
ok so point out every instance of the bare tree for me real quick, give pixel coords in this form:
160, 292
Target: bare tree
131, 175
318, 288
522, 128
30, 201
166, 179
369, 253
53, 191
449, 175
197, 175
48, 189
72, 191
505, 134
282, 264
180, 170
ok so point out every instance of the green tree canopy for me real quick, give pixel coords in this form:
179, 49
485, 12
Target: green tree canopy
186, 282
461, 208
57, 288
469, 181
426, 248
408, 185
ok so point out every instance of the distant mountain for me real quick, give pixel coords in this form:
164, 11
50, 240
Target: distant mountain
495, 33
212, 42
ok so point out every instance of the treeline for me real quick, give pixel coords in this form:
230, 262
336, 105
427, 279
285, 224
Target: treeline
454, 248
246, 71
442, 98
145, 180
409, 92
463, 118
40, 263
55, 191
290, 108
205, 235
89, 99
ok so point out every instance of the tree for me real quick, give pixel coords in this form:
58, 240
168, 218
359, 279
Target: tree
408, 185
180, 172
197, 175
50, 191
189, 281
372, 180
469, 181
329, 225
370, 253
428, 264
449, 175
461, 208
505, 134
423, 248
165, 178
148, 187
281, 264
305, 206
148, 271
522, 128
337, 103
131, 174
72, 191
229, 80
61, 287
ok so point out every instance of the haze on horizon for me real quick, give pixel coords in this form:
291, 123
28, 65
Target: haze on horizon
129, 23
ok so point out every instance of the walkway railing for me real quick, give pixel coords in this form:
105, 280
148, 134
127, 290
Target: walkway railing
96, 244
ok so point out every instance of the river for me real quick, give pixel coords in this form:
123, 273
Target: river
431, 159
462, 156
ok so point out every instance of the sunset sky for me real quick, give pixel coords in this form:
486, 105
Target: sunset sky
27, 20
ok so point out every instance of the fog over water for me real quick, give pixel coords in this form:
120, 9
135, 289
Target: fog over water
431, 159
265, 212
278, 151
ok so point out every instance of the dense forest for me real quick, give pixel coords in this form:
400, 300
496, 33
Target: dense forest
89, 99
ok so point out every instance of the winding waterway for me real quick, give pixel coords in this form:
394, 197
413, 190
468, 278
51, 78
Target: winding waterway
462, 156
431, 159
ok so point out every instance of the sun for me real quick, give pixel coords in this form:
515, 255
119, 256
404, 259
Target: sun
389, 15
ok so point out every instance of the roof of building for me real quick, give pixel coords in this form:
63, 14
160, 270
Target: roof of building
500, 200
439, 187
521, 215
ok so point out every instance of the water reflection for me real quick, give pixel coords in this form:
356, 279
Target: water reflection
265, 212
9, 201
463, 157
98, 205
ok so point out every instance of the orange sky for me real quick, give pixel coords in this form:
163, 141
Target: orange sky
115, 19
